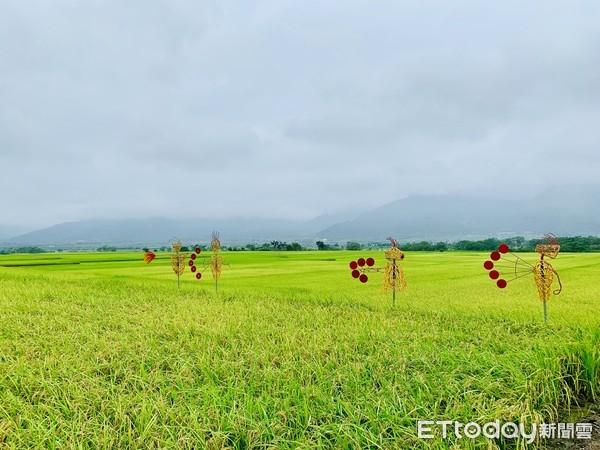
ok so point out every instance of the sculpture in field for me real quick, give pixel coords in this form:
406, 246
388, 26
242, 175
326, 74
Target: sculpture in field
215, 262
506, 264
177, 259
149, 256
393, 275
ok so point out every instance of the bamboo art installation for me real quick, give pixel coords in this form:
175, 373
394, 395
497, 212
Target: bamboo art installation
215, 262
393, 275
510, 264
178, 261
149, 256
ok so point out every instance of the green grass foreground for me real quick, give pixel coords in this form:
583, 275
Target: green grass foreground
102, 351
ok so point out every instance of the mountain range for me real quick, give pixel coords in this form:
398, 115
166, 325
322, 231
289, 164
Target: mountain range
566, 210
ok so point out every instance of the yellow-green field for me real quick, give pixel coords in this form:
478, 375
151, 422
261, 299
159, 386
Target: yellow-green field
103, 351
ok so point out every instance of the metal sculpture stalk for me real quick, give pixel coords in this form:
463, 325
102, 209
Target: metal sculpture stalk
513, 267
393, 279
393, 275
215, 262
178, 261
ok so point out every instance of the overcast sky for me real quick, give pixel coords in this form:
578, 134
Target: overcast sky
290, 109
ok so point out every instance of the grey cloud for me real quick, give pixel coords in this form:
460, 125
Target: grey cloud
288, 109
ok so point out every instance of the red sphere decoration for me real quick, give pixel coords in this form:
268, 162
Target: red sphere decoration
363, 278
494, 275
503, 248
355, 274
489, 265
361, 262
198, 250
193, 269
370, 262
495, 256
501, 283
193, 256
191, 263
198, 275
353, 265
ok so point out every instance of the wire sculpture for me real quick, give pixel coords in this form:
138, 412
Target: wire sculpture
393, 275
149, 256
178, 260
215, 262
513, 267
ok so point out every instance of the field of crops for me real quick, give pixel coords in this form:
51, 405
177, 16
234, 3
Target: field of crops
100, 350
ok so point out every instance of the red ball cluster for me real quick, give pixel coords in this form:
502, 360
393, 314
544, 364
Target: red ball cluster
192, 264
361, 262
489, 265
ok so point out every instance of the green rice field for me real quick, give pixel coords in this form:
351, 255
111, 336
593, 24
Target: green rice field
102, 351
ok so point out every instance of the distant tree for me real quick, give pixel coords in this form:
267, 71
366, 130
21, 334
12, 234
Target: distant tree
515, 242
489, 244
321, 245
352, 245
423, 246
185, 248
278, 245
294, 247
106, 248
440, 247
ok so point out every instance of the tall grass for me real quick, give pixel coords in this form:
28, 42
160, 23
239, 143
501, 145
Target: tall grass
292, 352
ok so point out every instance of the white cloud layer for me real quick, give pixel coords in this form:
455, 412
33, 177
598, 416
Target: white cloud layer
125, 108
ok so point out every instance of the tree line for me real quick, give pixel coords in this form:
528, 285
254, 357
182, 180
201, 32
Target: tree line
516, 244
9, 251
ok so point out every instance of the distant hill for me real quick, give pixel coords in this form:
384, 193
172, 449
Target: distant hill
563, 211
573, 210
154, 231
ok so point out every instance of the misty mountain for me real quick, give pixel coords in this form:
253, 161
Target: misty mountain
152, 231
326, 220
572, 210
158, 231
